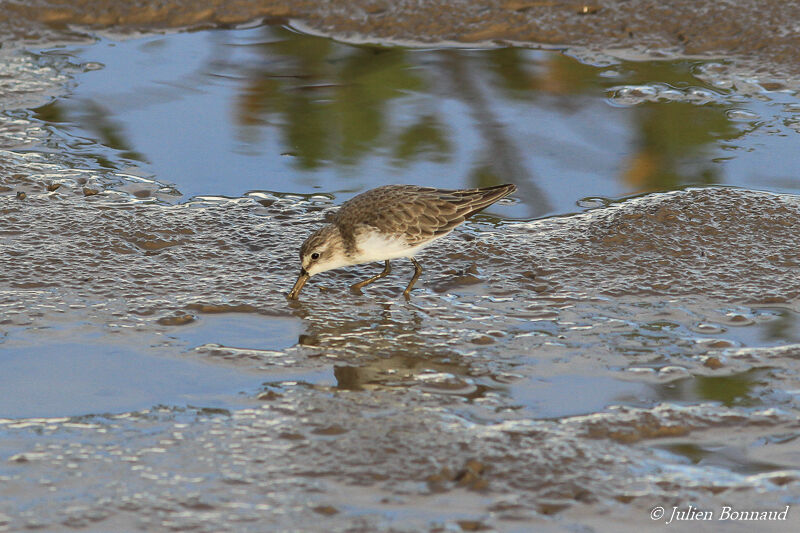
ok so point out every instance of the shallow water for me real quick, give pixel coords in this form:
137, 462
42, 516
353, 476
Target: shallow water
592, 349
226, 112
82, 376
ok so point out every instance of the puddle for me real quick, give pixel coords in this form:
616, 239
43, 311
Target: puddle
75, 370
722, 456
83, 374
239, 330
733, 390
225, 112
563, 396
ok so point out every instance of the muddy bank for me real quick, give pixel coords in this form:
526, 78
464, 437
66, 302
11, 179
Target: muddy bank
759, 34
379, 462
564, 373
728, 245
427, 400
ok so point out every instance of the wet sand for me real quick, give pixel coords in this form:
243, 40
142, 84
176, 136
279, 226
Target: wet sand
569, 372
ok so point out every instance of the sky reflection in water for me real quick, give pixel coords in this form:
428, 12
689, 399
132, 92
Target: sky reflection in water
226, 112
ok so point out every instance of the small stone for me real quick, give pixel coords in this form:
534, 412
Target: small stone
177, 320
330, 430
268, 395
739, 320
291, 436
588, 9
471, 475
720, 344
480, 484
472, 525
476, 466
550, 507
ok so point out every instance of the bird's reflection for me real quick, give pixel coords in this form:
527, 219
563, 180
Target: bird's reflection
389, 347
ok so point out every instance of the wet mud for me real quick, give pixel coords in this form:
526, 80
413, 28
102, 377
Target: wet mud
761, 33
419, 399
555, 373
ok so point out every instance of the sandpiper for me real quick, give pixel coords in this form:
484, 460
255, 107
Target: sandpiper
389, 222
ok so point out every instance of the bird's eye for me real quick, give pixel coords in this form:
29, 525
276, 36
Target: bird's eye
315, 255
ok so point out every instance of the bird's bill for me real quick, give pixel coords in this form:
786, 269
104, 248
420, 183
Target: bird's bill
298, 284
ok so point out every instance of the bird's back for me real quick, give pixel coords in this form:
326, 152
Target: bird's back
418, 214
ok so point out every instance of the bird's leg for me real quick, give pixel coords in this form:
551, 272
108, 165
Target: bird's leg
417, 272
386, 271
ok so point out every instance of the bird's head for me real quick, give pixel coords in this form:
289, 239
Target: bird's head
322, 250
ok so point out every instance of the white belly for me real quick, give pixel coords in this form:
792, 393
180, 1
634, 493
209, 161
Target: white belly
375, 246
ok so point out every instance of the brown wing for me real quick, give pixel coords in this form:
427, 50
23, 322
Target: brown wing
420, 213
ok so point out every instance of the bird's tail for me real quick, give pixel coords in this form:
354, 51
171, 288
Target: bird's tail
466, 202
473, 200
